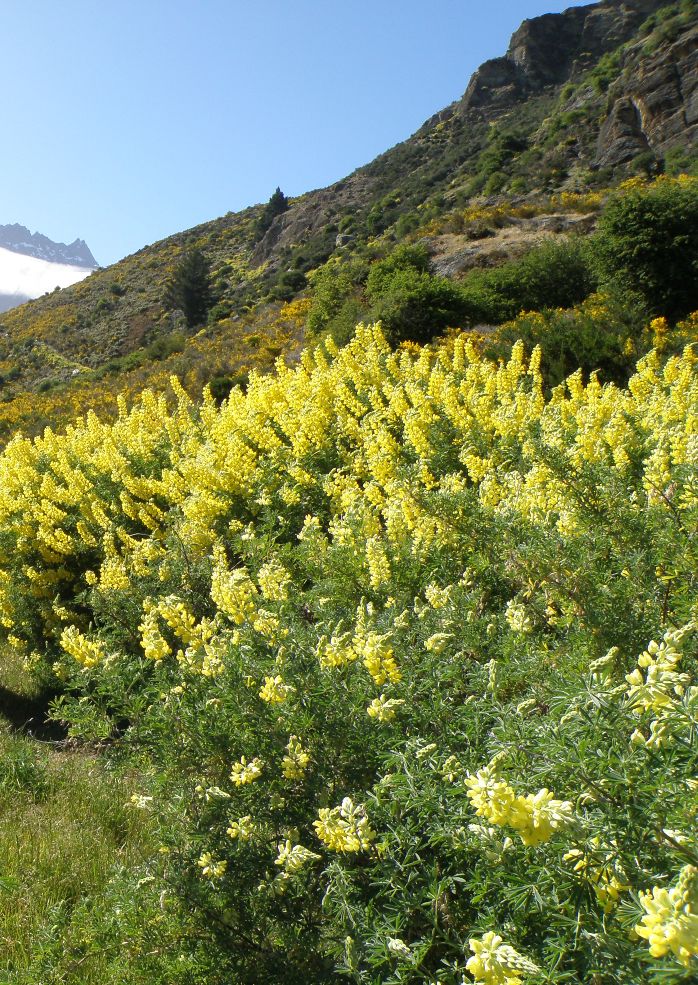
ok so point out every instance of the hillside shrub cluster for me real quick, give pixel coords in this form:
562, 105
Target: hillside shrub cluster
647, 245
644, 258
405, 654
553, 275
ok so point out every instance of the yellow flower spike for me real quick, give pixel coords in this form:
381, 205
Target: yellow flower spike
535, 817
496, 963
275, 691
670, 922
88, 653
243, 772
383, 709
346, 828
242, 830
296, 761
212, 868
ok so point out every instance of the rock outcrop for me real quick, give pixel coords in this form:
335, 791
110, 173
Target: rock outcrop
646, 103
655, 104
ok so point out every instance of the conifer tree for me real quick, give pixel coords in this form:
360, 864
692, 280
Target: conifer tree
277, 204
189, 288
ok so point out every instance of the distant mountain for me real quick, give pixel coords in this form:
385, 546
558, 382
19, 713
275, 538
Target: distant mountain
18, 239
32, 264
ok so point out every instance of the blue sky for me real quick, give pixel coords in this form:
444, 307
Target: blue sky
127, 120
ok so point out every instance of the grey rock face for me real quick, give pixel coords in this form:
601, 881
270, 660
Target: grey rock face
656, 106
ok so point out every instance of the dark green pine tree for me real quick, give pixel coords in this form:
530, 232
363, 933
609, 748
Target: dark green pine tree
277, 204
189, 288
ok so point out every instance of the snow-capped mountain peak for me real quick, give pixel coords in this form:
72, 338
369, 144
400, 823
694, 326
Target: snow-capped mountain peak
20, 240
31, 264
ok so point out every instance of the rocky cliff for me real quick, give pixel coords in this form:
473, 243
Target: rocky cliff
589, 89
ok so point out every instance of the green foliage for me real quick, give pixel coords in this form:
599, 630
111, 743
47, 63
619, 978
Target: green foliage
601, 335
277, 205
334, 295
555, 274
647, 245
189, 288
408, 300
288, 284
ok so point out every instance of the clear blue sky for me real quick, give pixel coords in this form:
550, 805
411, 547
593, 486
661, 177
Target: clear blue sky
127, 120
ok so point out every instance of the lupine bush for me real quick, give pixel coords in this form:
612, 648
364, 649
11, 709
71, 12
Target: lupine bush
405, 652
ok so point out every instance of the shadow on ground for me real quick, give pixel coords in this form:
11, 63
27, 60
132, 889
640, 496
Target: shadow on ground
29, 716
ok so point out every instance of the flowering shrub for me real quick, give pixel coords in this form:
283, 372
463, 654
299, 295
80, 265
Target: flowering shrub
404, 651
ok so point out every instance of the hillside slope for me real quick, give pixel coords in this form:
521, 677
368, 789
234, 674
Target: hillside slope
580, 99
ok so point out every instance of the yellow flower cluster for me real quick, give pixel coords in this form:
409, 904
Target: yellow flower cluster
656, 686
243, 829
378, 659
89, 653
296, 761
670, 922
535, 817
274, 691
244, 772
273, 580
154, 644
383, 709
496, 963
212, 868
345, 828
380, 414
233, 592
518, 618
292, 858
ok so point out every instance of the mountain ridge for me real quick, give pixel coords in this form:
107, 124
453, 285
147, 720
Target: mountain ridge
19, 239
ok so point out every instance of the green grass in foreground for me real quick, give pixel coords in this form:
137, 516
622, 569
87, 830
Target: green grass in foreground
65, 832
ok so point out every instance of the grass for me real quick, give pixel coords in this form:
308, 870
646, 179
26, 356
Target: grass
65, 831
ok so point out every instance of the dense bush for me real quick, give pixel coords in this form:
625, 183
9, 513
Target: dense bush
603, 334
647, 244
406, 655
333, 285
553, 275
409, 301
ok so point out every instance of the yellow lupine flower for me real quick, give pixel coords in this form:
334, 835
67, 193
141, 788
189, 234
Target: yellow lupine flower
275, 691
378, 658
273, 580
535, 817
345, 828
89, 653
296, 760
243, 772
154, 645
243, 829
211, 867
383, 709
496, 963
292, 858
670, 922
233, 592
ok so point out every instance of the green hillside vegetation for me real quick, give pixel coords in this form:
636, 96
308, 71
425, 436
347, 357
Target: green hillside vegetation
121, 329
349, 574
402, 656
